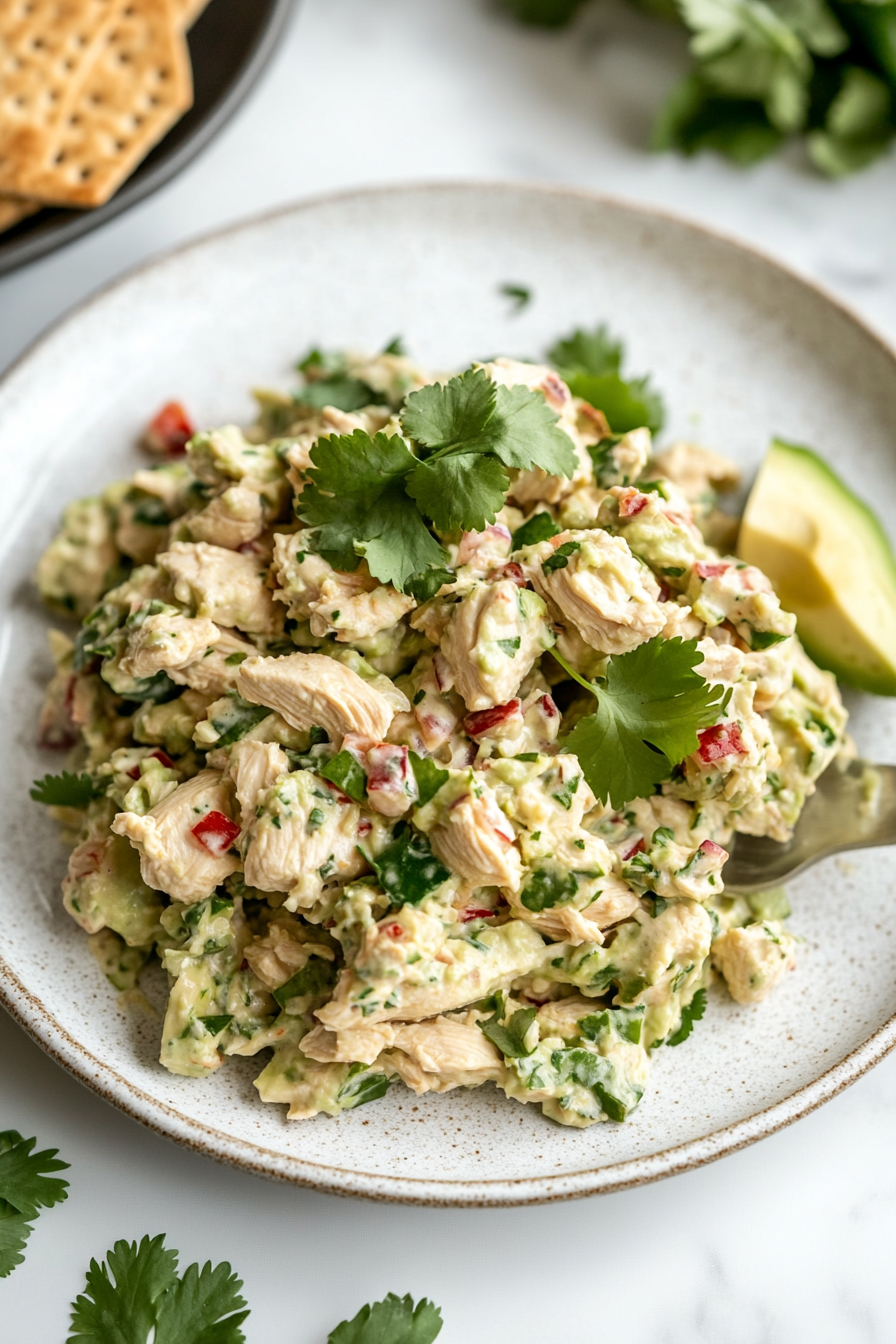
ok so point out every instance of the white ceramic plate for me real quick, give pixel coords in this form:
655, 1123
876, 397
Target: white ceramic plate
741, 350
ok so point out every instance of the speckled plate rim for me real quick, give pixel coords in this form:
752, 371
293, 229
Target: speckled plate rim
26, 1009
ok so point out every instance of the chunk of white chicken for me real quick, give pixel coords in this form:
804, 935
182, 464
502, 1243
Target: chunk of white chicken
412, 966
357, 1045
727, 590
286, 948
442, 1054
352, 606
753, 960
659, 531
215, 670
312, 691
165, 641
225, 586
696, 471
495, 634
575, 905
304, 833
185, 841
231, 519
254, 768
595, 582
470, 833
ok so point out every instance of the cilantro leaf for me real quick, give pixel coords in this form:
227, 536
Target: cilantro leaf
429, 776
427, 583
509, 1037
65, 790
519, 295
407, 869
591, 364
626, 1021
205, 1306
362, 1086
395, 347
346, 394
395, 1320
25, 1189
136, 1292
547, 887
472, 415
118, 1305
451, 415
692, 1012
540, 527
695, 118
344, 771
544, 13
314, 977
356, 498
859, 124
460, 491
650, 706
525, 434
595, 352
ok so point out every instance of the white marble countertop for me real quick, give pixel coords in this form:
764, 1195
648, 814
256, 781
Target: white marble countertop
789, 1240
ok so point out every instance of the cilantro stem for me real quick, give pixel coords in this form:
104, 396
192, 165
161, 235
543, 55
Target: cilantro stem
589, 685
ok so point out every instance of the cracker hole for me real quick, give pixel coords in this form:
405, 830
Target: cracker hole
60, 157
85, 173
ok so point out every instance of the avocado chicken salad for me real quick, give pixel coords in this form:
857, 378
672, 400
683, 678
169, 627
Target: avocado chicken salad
409, 728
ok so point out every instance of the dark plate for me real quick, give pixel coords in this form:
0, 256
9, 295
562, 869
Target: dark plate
230, 44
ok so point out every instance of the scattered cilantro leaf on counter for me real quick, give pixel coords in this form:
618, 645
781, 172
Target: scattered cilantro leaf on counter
136, 1292
429, 776
65, 790
509, 1037
692, 1012
395, 1320
519, 295
650, 705
407, 869
25, 1189
590, 362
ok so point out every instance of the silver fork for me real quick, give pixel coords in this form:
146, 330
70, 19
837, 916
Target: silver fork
850, 809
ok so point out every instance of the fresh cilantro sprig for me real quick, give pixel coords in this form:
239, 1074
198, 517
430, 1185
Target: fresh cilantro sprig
650, 706
25, 1188
395, 1320
372, 497
591, 363
767, 69
136, 1294
65, 790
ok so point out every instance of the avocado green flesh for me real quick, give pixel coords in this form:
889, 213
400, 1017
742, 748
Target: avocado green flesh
830, 562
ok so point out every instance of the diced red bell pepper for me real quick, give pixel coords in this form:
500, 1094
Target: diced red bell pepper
710, 569
631, 501
466, 915
169, 431
548, 707
713, 851
393, 930
485, 721
215, 832
638, 847
723, 739
156, 755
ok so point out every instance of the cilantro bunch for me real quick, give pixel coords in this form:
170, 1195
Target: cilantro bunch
373, 497
650, 706
590, 362
767, 69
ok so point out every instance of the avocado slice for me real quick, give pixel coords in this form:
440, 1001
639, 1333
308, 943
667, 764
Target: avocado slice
830, 562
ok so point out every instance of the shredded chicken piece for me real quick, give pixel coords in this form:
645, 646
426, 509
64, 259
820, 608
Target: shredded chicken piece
311, 690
